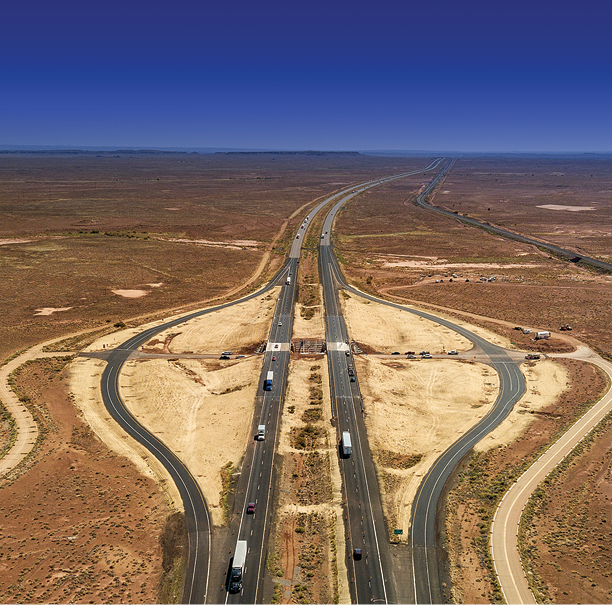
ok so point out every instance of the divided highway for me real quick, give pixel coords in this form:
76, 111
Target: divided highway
196, 587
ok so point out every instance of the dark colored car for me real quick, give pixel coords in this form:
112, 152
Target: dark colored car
357, 554
395, 353
251, 508
353, 379
224, 357
273, 357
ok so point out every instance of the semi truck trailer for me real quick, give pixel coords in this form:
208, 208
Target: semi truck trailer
268, 381
347, 447
235, 583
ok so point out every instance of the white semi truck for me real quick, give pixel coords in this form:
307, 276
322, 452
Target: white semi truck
347, 447
235, 583
268, 382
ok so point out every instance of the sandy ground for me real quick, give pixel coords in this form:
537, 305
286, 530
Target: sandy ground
566, 208
297, 395
201, 409
388, 329
51, 310
545, 381
85, 375
228, 329
419, 408
130, 293
309, 328
195, 401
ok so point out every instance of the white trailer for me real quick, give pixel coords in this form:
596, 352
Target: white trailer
542, 335
347, 447
238, 566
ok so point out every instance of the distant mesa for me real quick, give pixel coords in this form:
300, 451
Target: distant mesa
316, 153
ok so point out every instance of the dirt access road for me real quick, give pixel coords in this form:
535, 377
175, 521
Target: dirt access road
504, 529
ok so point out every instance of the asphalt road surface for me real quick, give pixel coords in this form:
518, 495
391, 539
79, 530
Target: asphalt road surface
257, 478
197, 518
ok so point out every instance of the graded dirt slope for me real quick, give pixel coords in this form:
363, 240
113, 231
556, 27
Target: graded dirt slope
545, 381
192, 405
240, 327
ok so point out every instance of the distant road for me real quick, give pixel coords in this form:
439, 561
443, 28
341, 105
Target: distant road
373, 578
574, 257
504, 529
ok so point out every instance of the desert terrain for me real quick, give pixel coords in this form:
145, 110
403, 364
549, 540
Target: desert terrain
104, 241
182, 228
110, 242
392, 248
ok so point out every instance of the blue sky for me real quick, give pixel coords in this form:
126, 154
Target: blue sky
454, 75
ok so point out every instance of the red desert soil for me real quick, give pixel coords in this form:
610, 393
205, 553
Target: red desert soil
81, 525
484, 478
568, 537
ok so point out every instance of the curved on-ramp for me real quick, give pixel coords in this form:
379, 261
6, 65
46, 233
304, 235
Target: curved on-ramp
505, 526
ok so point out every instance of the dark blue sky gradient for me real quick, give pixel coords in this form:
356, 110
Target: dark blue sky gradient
452, 75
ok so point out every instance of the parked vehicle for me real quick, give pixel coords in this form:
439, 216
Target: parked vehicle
542, 335
532, 356
453, 352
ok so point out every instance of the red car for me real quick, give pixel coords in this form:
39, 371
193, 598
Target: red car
273, 357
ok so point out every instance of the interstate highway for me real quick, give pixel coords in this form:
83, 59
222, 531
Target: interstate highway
196, 586
257, 477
